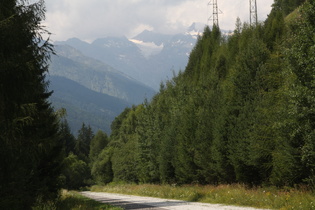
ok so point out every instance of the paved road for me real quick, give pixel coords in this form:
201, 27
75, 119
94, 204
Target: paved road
145, 203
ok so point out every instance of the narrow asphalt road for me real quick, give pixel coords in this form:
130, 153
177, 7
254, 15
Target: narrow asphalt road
145, 203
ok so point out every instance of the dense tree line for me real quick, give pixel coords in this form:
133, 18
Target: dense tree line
242, 111
81, 154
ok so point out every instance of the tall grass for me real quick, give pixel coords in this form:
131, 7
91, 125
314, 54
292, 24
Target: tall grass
239, 195
73, 201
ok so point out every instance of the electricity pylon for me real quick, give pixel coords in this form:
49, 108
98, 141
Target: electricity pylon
216, 12
253, 12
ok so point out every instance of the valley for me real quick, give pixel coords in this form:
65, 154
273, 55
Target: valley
127, 70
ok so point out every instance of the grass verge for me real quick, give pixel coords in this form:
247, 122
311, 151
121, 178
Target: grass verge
239, 195
71, 200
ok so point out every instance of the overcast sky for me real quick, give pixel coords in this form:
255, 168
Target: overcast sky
91, 19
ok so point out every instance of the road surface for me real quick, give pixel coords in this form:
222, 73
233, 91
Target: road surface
146, 203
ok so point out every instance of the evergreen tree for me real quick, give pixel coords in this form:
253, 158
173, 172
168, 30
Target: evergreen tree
82, 145
67, 137
30, 153
124, 159
242, 111
301, 54
147, 152
98, 143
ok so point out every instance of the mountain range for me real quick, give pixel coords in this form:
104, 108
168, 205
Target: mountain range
118, 70
84, 105
149, 57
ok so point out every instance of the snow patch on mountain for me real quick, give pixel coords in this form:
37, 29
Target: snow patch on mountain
195, 30
148, 49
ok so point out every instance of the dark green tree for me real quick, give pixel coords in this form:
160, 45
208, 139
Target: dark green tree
98, 143
301, 54
76, 172
67, 137
82, 145
124, 159
31, 152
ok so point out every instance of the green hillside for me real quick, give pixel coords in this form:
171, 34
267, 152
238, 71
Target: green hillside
241, 112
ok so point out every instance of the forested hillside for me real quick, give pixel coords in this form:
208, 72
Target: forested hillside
242, 111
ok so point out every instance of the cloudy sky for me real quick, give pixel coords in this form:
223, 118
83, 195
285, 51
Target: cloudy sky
91, 19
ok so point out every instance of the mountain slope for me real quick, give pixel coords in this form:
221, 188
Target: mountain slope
97, 76
148, 57
84, 105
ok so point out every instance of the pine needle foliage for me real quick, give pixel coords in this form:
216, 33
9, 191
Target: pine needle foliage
30, 152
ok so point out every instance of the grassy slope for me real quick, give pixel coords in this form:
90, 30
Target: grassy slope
238, 195
74, 201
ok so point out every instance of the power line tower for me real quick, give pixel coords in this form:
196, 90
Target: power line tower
216, 12
253, 12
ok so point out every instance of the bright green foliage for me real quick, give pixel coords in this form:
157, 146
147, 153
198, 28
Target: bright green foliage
100, 158
242, 111
76, 172
98, 143
287, 6
31, 152
124, 159
101, 170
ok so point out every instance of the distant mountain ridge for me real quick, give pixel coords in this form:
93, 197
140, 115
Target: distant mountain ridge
149, 57
97, 76
91, 91
84, 105
150, 36
123, 71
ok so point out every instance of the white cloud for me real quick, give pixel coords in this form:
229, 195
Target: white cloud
90, 19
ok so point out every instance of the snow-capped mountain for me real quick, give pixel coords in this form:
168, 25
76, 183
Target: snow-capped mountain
196, 29
149, 57
87, 76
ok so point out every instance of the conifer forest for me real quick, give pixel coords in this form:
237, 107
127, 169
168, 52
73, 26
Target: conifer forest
242, 111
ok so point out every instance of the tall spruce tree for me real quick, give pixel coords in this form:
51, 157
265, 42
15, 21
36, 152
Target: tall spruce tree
67, 137
98, 143
30, 152
82, 145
